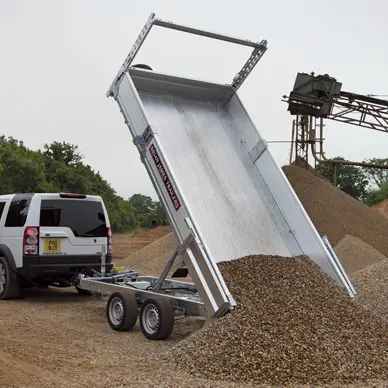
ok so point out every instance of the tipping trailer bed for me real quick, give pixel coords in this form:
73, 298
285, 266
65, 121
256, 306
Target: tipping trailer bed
224, 193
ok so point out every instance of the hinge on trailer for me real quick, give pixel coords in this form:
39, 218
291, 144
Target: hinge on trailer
142, 141
257, 150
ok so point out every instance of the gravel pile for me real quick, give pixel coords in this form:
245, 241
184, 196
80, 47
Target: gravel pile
293, 325
372, 287
382, 208
336, 214
355, 254
128, 243
152, 259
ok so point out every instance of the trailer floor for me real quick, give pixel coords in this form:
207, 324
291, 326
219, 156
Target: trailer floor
57, 338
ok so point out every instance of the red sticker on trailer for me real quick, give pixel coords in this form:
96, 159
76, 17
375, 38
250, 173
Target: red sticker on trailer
163, 174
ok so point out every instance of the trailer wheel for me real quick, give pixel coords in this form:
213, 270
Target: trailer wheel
121, 311
157, 319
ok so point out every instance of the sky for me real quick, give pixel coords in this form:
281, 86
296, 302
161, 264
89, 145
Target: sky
58, 59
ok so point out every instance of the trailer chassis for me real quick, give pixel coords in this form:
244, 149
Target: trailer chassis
155, 300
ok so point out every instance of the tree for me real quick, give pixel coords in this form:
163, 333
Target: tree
159, 211
144, 207
60, 167
142, 204
350, 179
22, 170
375, 196
377, 177
62, 152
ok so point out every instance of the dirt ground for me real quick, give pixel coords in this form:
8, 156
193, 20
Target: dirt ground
57, 338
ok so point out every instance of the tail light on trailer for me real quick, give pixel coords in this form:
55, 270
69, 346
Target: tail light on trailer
31, 240
110, 241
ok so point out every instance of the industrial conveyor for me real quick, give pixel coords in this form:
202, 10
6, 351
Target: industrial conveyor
224, 193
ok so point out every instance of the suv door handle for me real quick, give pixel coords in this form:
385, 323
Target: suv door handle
55, 234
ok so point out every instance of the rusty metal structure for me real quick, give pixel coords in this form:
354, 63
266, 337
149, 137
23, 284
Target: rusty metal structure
315, 98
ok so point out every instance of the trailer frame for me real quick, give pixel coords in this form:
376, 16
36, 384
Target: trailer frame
272, 219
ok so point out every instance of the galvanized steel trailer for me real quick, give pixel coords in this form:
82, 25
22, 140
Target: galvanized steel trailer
224, 193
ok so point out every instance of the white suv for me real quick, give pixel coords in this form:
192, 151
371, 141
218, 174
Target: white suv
47, 239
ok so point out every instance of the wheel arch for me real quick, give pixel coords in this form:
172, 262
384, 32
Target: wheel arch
7, 254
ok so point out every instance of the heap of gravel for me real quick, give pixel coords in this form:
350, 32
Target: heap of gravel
372, 287
336, 214
356, 254
382, 207
292, 325
152, 259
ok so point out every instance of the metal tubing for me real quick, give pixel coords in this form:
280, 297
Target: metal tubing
208, 34
336, 161
131, 56
322, 159
292, 140
334, 174
166, 270
258, 52
248, 67
321, 136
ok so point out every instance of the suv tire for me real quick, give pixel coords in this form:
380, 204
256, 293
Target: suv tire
9, 285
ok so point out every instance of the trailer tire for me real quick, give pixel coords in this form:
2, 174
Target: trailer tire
122, 311
9, 287
157, 318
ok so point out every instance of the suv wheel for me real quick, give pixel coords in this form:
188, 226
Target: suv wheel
9, 286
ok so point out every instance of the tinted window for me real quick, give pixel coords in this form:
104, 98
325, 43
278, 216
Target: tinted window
2, 204
17, 213
84, 218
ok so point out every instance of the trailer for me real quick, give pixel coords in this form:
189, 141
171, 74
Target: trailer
224, 194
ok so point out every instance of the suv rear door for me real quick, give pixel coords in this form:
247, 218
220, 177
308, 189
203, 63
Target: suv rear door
72, 225
3, 212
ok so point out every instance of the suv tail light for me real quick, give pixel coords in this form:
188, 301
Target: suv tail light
110, 241
72, 195
31, 240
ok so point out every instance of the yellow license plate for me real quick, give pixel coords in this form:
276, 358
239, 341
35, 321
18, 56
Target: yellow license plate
52, 246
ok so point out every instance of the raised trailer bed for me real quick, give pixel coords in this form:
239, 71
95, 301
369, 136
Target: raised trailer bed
224, 193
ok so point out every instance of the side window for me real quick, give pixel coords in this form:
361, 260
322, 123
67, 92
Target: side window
18, 210
2, 205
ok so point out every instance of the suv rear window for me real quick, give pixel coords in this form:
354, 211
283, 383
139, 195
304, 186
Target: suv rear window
84, 218
17, 213
2, 205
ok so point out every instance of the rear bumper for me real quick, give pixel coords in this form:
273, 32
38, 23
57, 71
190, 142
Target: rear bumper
61, 266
